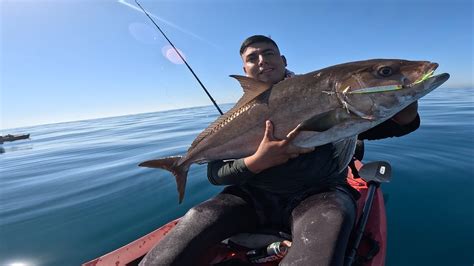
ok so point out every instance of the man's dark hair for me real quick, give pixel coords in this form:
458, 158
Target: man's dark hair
255, 39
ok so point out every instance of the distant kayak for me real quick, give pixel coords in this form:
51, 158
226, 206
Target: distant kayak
371, 251
10, 137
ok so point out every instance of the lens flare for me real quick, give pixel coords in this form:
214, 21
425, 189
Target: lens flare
143, 33
170, 54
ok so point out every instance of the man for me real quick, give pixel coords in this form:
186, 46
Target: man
280, 186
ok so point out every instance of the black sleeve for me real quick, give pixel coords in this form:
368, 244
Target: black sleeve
390, 129
228, 172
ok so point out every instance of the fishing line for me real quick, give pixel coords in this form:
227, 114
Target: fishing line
182, 58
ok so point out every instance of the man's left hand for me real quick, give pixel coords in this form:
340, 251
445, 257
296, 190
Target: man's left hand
407, 115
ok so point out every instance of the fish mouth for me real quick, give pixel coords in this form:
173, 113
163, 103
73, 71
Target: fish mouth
429, 74
430, 78
439, 79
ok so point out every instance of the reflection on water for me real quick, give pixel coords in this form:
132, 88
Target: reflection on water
21, 262
17, 145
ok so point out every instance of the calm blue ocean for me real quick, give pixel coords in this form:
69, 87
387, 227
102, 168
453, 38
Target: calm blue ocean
74, 191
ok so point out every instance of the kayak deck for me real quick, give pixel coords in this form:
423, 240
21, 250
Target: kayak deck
132, 253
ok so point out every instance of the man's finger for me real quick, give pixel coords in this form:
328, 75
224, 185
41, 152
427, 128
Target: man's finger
290, 136
268, 130
294, 149
307, 150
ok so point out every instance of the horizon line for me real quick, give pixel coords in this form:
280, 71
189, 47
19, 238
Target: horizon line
157, 111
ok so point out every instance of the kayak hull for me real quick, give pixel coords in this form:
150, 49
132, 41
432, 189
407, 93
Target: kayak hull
13, 137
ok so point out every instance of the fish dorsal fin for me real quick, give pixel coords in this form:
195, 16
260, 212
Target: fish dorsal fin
252, 89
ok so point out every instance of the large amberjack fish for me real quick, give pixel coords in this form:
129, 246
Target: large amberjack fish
325, 106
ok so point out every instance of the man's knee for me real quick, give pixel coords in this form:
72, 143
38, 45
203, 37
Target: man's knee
202, 213
321, 227
343, 206
222, 208
335, 207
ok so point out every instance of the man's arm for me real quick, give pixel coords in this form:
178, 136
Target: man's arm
228, 172
407, 115
402, 123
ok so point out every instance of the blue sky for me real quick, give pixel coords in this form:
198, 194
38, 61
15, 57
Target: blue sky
80, 59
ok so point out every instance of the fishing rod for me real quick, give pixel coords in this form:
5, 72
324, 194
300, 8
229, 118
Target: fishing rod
182, 58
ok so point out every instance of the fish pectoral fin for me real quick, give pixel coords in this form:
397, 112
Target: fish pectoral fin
324, 121
172, 164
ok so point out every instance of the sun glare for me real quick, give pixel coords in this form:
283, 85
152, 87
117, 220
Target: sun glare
19, 263
172, 56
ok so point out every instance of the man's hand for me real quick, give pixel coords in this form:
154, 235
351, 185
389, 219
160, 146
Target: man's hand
407, 115
272, 151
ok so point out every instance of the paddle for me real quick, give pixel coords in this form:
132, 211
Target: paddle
373, 173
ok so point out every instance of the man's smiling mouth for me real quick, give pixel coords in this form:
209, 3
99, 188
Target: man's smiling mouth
266, 70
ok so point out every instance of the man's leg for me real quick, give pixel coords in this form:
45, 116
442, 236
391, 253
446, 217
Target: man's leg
202, 227
321, 226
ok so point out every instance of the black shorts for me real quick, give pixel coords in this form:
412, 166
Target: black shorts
274, 210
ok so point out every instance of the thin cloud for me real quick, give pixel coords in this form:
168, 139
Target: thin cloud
169, 23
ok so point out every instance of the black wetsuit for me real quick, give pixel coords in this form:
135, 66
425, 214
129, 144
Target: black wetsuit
307, 196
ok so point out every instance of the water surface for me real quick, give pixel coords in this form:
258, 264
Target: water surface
74, 192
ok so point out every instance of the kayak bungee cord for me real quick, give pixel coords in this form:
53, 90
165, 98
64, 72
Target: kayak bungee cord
182, 58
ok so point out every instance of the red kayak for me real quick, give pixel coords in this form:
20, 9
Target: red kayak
370, 252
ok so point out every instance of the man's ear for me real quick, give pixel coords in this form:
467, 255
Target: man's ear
284, 59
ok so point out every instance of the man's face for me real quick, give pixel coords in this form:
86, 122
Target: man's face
262, 61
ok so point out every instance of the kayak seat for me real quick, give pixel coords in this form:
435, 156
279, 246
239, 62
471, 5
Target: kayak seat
256, 239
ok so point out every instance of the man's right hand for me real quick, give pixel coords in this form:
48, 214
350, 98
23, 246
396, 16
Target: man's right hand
272, 152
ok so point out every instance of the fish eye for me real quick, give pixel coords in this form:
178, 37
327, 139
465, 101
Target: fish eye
385, 71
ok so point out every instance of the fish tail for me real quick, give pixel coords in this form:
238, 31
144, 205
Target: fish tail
172, 164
